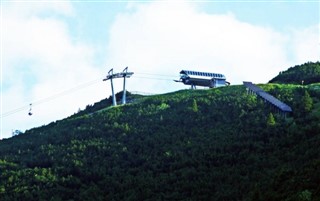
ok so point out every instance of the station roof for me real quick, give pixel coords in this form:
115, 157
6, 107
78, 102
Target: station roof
252, 87
203, 74
274, 101
268, 97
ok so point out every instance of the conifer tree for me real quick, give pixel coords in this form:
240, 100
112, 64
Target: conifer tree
195, 106
271, 121
307, 102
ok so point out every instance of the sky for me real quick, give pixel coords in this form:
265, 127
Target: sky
55, 54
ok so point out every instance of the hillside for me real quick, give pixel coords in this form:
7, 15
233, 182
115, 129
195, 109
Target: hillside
217, 144
307, 73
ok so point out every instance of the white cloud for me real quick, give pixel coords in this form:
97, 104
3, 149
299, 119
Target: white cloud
306, 44
20, 9
166, 37
40, 59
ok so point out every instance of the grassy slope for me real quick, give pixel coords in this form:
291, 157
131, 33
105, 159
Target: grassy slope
201, 145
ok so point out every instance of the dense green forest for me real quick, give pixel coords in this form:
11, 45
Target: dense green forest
217, 144
307, 73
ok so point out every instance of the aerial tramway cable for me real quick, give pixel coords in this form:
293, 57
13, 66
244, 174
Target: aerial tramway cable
156, 74
50, 98
153, 76
74, 89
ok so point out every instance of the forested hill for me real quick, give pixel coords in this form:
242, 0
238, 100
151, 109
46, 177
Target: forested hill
217, 144
300, 74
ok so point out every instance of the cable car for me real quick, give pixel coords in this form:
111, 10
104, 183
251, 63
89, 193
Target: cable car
30, 110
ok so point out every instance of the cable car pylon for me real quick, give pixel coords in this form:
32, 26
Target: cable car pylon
125, 71
124, 74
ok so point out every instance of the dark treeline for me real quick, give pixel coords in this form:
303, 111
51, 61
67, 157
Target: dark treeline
300, 74
218, 144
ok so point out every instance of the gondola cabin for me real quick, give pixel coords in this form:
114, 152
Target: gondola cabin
195, 78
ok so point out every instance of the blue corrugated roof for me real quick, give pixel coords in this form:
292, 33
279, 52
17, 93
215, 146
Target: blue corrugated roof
253, 87
205, 74
271, 99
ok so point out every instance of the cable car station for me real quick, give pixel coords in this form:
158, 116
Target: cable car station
205, 79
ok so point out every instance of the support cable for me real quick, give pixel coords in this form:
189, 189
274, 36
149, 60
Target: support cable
50, 98
77, 88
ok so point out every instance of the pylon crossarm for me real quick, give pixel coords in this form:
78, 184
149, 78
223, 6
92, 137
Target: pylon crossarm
118, 75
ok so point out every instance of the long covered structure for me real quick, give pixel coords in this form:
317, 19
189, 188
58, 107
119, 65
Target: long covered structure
254, 89
205, 79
